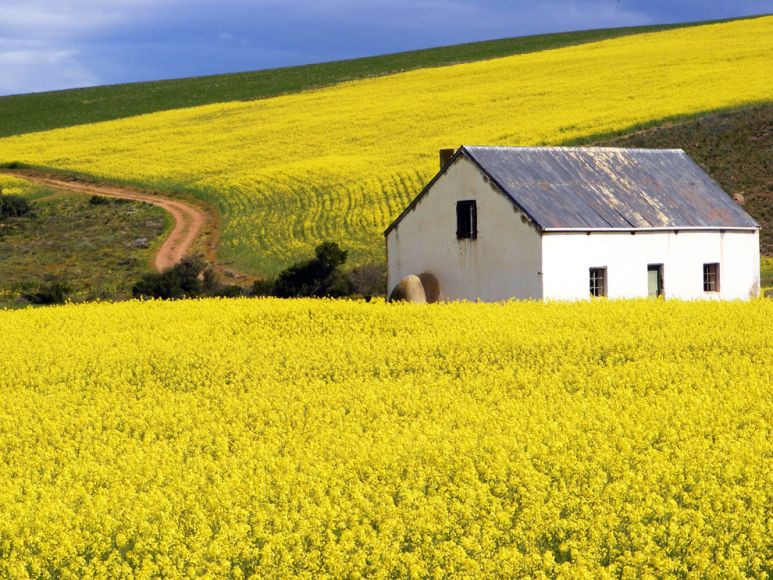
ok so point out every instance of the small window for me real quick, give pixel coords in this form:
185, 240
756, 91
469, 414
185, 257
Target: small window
655, 280
466, 220
711, 277
598, 281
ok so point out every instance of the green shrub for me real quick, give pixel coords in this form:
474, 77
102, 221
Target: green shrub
98, 200
228, 291
14, 206
55, 292
262, 287
183, 280
192, 277
321, 276
105, 200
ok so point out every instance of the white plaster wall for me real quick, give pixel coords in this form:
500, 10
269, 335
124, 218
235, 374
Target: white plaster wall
504, 262
567, 258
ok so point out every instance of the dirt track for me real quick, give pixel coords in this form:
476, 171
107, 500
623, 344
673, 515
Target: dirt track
189, 220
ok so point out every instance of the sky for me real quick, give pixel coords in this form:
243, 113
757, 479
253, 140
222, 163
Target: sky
57, 44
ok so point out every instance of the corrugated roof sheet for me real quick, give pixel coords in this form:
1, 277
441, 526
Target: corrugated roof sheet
609, 188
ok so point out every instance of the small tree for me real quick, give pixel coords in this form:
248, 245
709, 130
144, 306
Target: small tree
319, 277
330, 254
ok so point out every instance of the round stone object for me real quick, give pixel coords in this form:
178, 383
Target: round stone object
431, 287
410, 289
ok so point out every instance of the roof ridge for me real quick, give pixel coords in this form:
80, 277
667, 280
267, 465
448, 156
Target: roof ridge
573, 148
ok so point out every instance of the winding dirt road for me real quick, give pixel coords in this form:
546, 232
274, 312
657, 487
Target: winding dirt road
189, 220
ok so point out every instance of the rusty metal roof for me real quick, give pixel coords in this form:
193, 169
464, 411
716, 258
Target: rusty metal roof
590, 188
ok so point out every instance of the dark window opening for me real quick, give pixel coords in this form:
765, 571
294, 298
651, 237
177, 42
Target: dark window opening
466, 220
655, 280
711, 277
598, 281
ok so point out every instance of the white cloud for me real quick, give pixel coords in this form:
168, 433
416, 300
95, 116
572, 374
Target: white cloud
30, 70
67, 18
33, 57
40, 40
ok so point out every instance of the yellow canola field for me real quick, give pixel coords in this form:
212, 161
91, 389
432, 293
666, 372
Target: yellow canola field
340, 163
324, 438
10, 185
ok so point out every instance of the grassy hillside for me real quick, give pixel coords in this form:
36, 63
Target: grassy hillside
50, 110
766, 272
98, 250
734, 147
340, 163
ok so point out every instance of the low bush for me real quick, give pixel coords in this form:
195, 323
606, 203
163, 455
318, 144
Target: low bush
105, 200
263, 287
192, 277
321, 276
13, 206
228, 291
55, 292
183, 280
98, 200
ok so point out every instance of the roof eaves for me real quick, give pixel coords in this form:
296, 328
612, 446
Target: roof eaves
656, 229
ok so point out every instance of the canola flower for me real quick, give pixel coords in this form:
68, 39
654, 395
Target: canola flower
10, 185
341, 162
321, 438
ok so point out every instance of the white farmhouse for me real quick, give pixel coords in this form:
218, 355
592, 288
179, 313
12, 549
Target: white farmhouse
566, 223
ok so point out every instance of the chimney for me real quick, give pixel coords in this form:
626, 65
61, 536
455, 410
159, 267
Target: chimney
445, 157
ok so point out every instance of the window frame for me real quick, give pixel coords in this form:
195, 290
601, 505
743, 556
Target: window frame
711, 278
661, 289
472, 216
601, 292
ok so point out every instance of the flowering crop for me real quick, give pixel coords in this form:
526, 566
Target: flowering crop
10, 185
313, 438
340, 163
